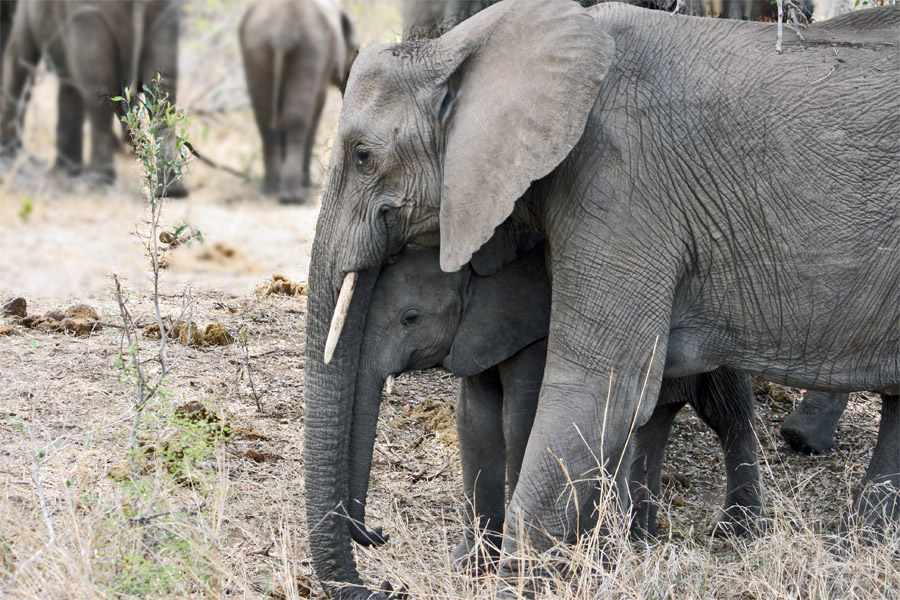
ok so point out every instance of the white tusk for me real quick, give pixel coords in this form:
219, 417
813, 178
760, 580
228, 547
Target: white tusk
340, 314
389, 385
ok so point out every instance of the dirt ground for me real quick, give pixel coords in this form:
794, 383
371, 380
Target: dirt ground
66, 410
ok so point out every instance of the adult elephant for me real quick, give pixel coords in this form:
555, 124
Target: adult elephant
811, 427
293, 52
97, 49
492, 332
673, 217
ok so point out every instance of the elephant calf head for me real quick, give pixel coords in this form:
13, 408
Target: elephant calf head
422, 317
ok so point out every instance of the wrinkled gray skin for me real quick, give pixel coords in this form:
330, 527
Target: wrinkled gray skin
811, 429
492, 332
97, 49
293, 52
681, 237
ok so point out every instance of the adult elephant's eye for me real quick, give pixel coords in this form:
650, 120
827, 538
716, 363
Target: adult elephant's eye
409, 318
363, 160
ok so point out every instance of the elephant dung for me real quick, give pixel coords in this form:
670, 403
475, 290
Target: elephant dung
439, 417
283, 286
190, 334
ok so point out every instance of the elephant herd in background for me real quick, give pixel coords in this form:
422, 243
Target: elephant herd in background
292, 51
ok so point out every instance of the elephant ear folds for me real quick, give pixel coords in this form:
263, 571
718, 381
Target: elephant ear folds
503, 314
522, 77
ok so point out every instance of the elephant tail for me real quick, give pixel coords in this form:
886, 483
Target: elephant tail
277, 83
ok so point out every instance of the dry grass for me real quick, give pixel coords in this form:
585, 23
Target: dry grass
214, 515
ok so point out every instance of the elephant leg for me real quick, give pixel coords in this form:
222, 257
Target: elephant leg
95, 71
20, 58
483, 457
521, 376
810, 428
302, 87
160, 57
876, 504
576, 458
69, 128
724, 401
311, 137
649, 447
260, 72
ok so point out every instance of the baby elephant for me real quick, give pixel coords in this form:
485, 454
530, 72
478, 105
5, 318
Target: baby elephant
491, 331
293, 51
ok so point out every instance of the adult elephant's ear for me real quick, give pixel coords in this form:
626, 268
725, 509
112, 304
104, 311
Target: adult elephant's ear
520, 79
503, 313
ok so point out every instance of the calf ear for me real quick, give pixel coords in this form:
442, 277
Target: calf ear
503, 313
510, 241
520, 80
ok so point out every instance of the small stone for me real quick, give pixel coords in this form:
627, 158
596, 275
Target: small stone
14, 307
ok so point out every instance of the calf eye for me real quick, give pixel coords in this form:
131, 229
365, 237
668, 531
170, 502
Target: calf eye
409, 317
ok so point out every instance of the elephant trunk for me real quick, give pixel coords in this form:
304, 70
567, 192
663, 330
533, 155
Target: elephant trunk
362, 444
329, 396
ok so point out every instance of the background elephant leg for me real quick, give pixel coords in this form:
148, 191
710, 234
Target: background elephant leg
94, 70
311, 137
649, 446
877, 501
20, 57
160, 57
260, 74
483, 456
69, 127
302, 86
725, 402
810, 428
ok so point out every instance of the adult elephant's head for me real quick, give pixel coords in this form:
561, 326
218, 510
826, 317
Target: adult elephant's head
436, 142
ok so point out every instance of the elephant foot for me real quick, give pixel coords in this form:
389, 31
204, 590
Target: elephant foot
876, 510
475, 557
67, 167
303, 194
738, 520
810, 428
175, 189
100, 179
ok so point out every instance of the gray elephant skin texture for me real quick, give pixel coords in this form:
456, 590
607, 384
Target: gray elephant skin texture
492, 331
97, 49
651, 151
293, 52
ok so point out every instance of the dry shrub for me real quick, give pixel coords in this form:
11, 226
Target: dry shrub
7, 330
282, 285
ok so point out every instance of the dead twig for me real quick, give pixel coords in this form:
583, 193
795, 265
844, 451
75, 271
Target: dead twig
214, 164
